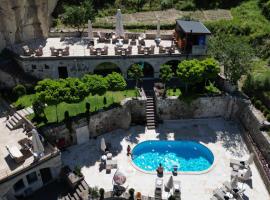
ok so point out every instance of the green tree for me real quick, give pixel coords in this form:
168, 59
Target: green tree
50, 92
19, 90
135, 72
166, 75
96, 84
211, 69
77, 16
38, 107
190, 72
116, 82
234, 53
75, 90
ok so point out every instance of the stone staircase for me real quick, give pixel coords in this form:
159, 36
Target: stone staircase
78, 193
150, 112
16, 120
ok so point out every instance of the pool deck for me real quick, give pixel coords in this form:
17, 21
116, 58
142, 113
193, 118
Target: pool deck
221, 137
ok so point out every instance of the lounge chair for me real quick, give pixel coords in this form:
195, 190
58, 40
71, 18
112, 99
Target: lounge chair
54, 51
104, 51
39, 51
158, 188
219, 194
152, 49
177, 190
93, 51
140, 49
242, 175
162, 49
27, 51
15, 154
65, 51
242, 164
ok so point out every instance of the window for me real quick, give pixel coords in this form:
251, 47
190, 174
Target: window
47, 66
34, 66
31, 178
19, 185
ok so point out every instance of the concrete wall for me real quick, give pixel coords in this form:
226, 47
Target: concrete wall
6, 188
22, 20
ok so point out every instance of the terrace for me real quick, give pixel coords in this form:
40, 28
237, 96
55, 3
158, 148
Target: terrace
12, 166
222, 137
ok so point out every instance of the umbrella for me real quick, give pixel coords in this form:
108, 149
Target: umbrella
119, 178
119, 28
90, 30
158, 28
102, 144
169, 184
38, 148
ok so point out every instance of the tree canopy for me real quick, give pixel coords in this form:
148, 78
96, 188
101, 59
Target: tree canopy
135, 72
77, 16
116, 82
95, 84
234, 53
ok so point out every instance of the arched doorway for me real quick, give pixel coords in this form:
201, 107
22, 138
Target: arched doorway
174, 64
106, 68
148, 70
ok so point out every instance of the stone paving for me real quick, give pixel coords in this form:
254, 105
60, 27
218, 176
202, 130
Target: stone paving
222, 137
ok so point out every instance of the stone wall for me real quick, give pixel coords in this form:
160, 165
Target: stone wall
22, 20
173, 108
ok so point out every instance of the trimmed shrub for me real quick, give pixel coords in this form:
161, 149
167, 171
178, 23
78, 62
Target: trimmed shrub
185, 5
101, 193
19, 90
131, 192
116, 82
87, 106
268, 117
104, 100
258, 104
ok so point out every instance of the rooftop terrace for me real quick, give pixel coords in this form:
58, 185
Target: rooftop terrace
14, 139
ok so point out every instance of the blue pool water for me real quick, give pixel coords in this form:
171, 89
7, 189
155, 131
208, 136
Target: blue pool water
189, 156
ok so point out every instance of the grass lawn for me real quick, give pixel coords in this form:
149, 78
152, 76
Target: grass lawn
96, 103
25, 101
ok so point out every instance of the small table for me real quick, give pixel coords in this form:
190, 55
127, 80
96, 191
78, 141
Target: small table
109, 156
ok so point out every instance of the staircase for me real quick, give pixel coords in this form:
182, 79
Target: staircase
79, 192
150, 112
14, 121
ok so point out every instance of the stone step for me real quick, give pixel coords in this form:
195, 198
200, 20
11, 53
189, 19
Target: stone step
17, 116
67, 197
150, 118
151, 127
14, 119
30, 110
151, 123
150, 108
84, 184
76, 196
9, 126
81, 187
12, 123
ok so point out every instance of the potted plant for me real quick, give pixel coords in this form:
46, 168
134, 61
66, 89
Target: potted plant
101, 193
131, 193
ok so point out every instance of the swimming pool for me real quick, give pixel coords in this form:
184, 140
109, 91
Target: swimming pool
188, 156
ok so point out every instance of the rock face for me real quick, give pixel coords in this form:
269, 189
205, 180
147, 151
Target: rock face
22, 20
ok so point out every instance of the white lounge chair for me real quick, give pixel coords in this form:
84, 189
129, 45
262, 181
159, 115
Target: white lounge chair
242, 175
158, 188
219, 194
242, 164
177, 190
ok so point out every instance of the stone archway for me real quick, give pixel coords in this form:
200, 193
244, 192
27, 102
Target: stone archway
106, 68
148, 69
174, 64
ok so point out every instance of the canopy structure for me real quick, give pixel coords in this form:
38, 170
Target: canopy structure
119, 178
102, 144
119, 28
38, 148
90, 30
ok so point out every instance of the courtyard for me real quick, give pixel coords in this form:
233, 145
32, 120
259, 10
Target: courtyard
220, 136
